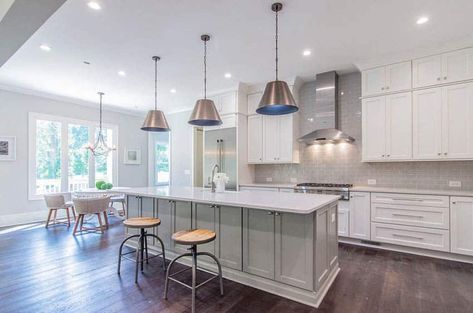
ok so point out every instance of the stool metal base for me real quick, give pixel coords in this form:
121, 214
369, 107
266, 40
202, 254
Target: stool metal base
194, 254
141, 251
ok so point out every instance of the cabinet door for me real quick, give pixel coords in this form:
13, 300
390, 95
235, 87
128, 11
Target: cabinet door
164, 213
285, 138
374, 128
270, 139
457, 65
229, 237
399, 126
427, 71
228, 103
253, 102
399, 77
133, 209
427, 124
461, 219
258, 242
205, 216
343, 222
322, 265
360, 215
255, 139
182, 220
294, 250
374, 81
332, 232
457, 117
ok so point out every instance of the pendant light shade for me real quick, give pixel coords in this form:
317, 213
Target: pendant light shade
205, 113
155, 120
277, 97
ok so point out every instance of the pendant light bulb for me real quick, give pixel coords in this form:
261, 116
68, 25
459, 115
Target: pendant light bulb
205, 113
155, 120
277, 97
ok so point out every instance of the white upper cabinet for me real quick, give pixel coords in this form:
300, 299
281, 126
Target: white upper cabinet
442, 123
228, 103
445, 68
271, 142
427, 123
278, 140
253, 102
427, 71
285, 138
255, 139
390, 78
387, 128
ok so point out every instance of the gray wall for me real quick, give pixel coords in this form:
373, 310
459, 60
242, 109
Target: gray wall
15, 208
342, 163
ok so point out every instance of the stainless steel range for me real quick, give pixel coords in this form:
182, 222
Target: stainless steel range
343, 190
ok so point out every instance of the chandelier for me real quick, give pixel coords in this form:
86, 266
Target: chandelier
100, 147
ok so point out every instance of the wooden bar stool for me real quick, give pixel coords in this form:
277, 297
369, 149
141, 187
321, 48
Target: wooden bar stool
193, 238
142, 223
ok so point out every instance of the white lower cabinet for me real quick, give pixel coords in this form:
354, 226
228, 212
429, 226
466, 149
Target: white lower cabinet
461, 210
360, 215
165, 229
343, 218
418, 237
181, 220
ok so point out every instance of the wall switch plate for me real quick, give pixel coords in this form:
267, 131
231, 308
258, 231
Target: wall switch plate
293, 180
371, 181
269, 179
454, 183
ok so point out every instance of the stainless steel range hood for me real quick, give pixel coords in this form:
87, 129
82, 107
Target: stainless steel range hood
326, 116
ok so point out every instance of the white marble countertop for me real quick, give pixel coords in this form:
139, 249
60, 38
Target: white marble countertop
269, 185
458, 193
298, 203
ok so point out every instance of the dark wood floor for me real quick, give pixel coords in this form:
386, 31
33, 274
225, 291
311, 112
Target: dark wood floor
52, 271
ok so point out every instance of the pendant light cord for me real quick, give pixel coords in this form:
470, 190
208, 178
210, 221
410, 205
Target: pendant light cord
205, 69
156, 84
100, 127
277, 35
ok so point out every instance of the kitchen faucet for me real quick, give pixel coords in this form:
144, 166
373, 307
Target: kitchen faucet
213, 175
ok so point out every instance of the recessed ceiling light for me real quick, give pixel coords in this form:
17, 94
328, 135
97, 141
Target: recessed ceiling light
121, 73
422, 20
173, 90
45, 47
228, 75
306, 53
94, 5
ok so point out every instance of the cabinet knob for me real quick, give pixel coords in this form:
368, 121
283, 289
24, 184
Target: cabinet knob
382, 156
454, 202
388, 155
387, 87
439, 153
445, 77
438, 78
445, 153
382, 88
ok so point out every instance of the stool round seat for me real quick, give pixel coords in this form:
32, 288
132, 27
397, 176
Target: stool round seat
194, 236
142, 222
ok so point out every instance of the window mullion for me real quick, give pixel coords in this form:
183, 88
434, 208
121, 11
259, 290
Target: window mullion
91, 158
64, 157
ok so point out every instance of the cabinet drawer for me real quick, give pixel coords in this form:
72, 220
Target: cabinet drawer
432, 239
434, 217
418, 200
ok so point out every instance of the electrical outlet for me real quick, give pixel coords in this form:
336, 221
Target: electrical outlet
455, 183
293, 180
269, 179
371, 181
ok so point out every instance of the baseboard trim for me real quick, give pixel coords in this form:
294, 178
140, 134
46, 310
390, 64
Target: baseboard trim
307, 297
410, 250
23, 218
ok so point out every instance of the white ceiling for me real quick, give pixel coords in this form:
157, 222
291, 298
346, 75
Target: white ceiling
125, 34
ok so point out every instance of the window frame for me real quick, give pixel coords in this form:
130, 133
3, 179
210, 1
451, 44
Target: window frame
33, 117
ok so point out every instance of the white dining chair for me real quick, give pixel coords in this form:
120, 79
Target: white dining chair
97, 206
55, 202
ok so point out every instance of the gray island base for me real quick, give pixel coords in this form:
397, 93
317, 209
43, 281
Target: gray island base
282, 243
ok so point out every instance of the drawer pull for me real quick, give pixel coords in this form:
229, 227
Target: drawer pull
408, 236
408, 215
407, 199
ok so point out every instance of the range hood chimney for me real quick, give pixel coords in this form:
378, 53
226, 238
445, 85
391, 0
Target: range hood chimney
326, 118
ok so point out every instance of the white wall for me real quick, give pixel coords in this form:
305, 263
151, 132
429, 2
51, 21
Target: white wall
181, 148
15, 208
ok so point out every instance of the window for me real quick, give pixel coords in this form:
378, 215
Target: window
58, 160
160, 154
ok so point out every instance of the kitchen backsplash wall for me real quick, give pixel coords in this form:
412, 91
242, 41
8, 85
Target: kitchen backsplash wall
341, 163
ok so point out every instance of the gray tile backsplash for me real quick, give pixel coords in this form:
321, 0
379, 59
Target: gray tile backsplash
341, 163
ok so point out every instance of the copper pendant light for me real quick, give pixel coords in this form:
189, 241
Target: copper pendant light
205, 113
155, 120
277, 97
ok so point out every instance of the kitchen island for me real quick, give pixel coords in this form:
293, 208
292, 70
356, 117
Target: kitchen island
283, 243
